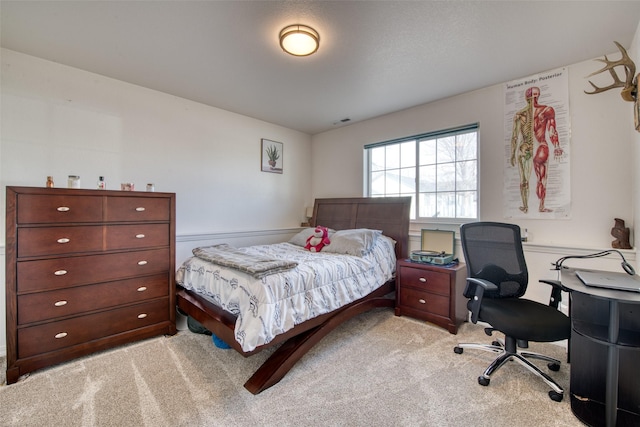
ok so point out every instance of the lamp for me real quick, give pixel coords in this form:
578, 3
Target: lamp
299, 40
308, 214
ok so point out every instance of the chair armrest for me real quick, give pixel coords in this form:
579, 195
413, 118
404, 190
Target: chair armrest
556, 292
475, 300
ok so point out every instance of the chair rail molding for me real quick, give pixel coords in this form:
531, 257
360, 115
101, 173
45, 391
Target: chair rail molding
217, 235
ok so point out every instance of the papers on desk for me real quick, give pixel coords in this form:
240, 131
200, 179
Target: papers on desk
609, 280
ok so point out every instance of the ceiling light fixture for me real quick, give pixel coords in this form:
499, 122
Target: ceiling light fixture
299, 40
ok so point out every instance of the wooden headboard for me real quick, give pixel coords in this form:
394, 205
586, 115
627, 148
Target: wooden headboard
389, 214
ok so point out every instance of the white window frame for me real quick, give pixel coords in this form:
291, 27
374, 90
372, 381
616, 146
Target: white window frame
416, 168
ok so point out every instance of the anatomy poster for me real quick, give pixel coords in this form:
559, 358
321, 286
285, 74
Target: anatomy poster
536, 147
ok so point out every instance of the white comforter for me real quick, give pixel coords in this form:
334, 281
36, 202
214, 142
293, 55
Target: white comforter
322, 282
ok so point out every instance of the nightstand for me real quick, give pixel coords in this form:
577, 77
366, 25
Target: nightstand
432, 293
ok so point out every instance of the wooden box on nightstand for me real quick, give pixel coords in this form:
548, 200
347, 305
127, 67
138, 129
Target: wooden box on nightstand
432, 293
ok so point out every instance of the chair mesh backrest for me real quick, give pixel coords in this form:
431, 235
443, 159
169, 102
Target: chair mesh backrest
493, 251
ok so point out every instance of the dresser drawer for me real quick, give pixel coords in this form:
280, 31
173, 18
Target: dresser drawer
137, 209
424, 301
71, 301
64, 333
137, 236
425, 279
45, 209
38, 241
49, 274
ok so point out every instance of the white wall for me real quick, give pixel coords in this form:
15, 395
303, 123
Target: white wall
603, 166
58, 120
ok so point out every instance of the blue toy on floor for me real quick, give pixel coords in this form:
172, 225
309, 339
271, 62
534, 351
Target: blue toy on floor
219, 343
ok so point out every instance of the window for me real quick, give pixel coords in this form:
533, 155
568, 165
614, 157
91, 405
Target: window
439, 170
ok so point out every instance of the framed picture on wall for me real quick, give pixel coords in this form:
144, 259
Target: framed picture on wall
271, 156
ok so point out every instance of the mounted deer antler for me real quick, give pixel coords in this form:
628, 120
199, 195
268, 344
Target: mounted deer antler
630, 84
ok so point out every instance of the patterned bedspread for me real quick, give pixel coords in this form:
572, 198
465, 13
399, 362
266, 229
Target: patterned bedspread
320, 283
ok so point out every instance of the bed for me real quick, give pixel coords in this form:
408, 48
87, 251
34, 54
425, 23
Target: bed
389, 215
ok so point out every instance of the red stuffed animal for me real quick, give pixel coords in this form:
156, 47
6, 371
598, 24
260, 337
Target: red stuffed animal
318, 240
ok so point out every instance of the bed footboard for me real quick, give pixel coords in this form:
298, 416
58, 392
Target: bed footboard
288, 354
295, 342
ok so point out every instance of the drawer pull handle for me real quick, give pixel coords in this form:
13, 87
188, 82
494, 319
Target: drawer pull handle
423, 280
142, 262
60, 272
61, 335
140, 209
421, 301
142, 315
139, 236
63, 209
142, 288
60, 303
63, 240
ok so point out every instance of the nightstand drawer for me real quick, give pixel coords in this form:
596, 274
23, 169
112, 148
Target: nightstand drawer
65, 333
432, 281
425, 301
67, 302
432, 293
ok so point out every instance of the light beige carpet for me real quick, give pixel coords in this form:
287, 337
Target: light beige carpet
375, 370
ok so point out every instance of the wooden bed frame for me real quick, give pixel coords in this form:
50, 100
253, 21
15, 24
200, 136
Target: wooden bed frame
389, 214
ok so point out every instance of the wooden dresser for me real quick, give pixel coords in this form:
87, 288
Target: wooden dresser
432, 293
86, 270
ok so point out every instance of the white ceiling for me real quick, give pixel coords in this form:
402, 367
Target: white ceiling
375, 57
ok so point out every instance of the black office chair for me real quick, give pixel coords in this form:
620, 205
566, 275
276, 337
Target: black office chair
497, 279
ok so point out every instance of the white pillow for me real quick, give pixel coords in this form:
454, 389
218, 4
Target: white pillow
357, 241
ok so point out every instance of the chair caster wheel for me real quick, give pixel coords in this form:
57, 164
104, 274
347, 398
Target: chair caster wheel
458, 350
555, 396
554, 367
485, 381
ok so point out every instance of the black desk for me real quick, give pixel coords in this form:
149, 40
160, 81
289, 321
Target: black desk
605, 353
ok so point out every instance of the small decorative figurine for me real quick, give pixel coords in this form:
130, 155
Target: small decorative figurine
621, 233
